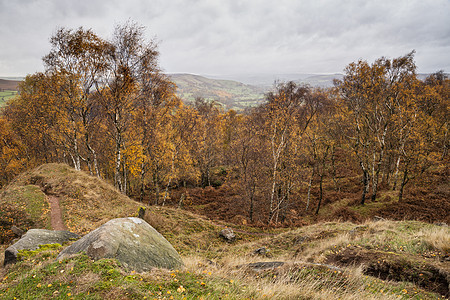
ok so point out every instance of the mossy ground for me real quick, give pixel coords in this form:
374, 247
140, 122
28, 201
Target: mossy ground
309, 254
24, 207
326, 260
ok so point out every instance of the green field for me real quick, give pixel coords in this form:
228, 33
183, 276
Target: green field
231, 94
5, 95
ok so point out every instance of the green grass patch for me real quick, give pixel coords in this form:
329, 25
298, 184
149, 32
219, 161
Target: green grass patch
24, 207
81, 278
5, 96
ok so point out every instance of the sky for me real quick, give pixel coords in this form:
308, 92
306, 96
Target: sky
251, 37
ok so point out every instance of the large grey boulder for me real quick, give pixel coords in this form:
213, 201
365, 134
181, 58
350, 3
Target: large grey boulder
132, 241
34, 238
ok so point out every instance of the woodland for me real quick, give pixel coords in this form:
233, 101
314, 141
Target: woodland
106, 107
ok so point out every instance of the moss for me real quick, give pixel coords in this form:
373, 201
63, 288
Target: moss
25, 254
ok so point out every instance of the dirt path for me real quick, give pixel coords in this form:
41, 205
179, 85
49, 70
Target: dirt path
55, 213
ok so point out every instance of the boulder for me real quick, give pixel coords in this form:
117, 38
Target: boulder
132, 241
227, 234
34, 238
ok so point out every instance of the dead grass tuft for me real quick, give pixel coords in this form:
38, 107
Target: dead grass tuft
438, 237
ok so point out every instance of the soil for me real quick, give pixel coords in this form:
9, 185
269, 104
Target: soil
390, 266
55, 213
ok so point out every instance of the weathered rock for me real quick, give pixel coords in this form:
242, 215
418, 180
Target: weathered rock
17, 231
260, 251
35, 237
265, 265
378, 218
132, 241
227, 234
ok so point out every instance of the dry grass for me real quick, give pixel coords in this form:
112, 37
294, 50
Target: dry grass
87, 202
301, 277
292, 281
438, 237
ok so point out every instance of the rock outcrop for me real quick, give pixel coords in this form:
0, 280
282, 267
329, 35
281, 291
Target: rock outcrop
34, 238
132, 241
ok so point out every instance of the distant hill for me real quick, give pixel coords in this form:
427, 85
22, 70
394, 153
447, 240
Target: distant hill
7, 84
8, 89
266, 82
232, 91
323, 81
241, 91
231, 94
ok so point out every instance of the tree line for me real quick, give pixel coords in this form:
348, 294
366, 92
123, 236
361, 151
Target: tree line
106, 107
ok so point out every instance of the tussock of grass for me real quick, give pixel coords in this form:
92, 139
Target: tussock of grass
437, 237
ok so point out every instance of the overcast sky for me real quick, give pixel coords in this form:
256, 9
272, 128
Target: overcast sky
219, 37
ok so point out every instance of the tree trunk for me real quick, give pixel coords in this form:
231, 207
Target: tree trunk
337, 186
117, 177
365, 181
141, 192
156, 179
397, 166
250, 212
75, 149
125, 178
402, 185
308, 198
272, 193
320, 194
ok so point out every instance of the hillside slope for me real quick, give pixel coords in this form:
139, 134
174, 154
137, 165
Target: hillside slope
376, 260
86, 201
331, 260
11, 85
232, 94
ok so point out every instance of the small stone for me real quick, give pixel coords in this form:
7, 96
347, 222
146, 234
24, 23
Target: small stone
17, 231
260, 251
228, 234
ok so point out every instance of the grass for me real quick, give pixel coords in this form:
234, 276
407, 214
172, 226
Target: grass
329, 260
87, 202
40, 276
5, 96
23, 206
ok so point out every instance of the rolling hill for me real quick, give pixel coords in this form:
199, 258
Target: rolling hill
238, 92
9, 84
8, 89
231, 94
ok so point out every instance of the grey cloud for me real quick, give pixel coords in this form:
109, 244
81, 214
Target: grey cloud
237, 36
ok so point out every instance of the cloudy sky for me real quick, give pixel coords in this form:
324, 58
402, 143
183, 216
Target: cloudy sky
220, 37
